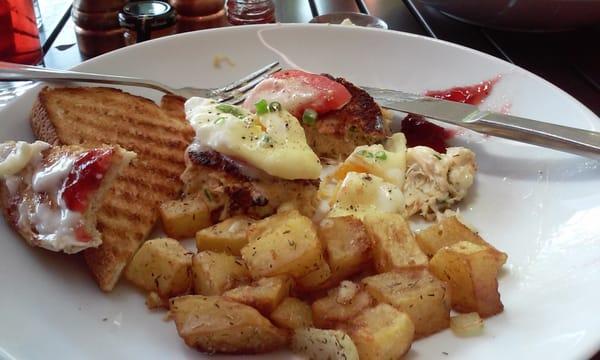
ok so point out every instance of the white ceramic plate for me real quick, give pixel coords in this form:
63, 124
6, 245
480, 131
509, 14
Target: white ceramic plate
541, 207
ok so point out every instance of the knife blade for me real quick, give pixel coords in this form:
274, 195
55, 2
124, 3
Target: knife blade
558, 137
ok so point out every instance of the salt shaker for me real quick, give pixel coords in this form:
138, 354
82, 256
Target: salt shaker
248, 12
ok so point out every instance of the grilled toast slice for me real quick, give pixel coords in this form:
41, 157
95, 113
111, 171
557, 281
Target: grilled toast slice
52, 200
93, 116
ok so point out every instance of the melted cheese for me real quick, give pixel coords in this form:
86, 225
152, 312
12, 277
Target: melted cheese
388, 163
361, 193
15, 156
274, 142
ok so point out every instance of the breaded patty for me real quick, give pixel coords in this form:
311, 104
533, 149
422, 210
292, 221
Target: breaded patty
230, 187
359, 122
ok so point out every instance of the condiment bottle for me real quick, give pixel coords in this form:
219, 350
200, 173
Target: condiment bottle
144, 20
96, 25
199, 14
248, 12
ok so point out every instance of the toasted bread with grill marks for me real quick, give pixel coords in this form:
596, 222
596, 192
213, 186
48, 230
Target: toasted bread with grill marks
93, 116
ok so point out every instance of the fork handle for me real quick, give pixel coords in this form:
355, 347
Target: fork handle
18, 72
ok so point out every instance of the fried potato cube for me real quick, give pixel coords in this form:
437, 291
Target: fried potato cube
323, 344
264, 294
213, 324
417, 293
283, 244
340, 305
161, 265
347, 244
381, 332
226, 236
315, 279
183, 218
214, 273
467, 324
447, 232
393, 244
471, 270
292, 313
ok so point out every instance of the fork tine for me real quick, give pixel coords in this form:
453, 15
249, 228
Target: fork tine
237, 96
243, 81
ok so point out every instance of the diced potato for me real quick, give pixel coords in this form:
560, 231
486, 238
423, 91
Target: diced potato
226, 236
292, 313
316, 278
183, 218
283, 244
467, 324
161, 265
381, 332
339, 307
154, 301
394, 246
347, 244
447, 232
417, 293
471, 270
214, 273
264, 295
213, 324
324, 344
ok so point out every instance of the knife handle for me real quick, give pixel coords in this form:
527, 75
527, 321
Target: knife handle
576, 141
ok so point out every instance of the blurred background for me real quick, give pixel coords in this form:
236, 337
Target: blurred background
555, 39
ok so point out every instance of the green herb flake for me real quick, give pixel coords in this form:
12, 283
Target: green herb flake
261, 107
309, 117
208, 195
274, 106
219, 120
230, 109
437, 156
381, 155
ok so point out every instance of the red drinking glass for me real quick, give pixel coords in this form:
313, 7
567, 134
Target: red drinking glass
19, 36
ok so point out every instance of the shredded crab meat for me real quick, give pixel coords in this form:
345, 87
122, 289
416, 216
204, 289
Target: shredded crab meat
436, 181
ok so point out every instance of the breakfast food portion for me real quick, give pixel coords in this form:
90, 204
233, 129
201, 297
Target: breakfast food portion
50, 194
300, 202
96, 116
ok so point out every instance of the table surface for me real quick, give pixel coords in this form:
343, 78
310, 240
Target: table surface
570, 60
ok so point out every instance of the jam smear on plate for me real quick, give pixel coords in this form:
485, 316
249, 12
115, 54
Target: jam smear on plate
473, 94
419, 131
85, 178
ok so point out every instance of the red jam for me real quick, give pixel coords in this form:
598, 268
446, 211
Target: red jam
419, 131
82, 235
474, 94
85, 178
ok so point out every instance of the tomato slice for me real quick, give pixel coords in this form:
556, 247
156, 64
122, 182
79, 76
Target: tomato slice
298, 90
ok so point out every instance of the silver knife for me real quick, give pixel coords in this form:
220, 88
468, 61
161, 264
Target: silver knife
563, 138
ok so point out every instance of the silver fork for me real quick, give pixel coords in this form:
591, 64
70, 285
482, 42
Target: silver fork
233, 93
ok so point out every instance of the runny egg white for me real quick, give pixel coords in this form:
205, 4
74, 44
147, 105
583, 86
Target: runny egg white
273, 142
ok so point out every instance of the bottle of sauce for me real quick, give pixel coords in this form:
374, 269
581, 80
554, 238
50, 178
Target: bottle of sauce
199, 14
97, 25
249, 12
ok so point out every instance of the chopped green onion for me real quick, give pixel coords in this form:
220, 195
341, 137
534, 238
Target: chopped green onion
437, 156
219, 120
381, 155
262, 107
208, 195
309, 117
230, 109
274, 106
363, 153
